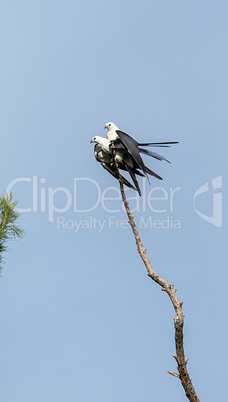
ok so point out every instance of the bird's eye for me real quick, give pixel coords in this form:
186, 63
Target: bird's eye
94, 138
109, 125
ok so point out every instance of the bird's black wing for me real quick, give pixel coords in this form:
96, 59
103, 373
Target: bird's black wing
112, 171
157, 144
122, 166
136, 171
153, 173
105, 160
135, 181
100, 155
132, 166
132, 146
126, 137
153, 154
97, 149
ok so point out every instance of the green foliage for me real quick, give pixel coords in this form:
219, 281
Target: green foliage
8, 217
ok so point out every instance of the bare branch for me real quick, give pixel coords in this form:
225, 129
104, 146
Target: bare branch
179, 318
174, 374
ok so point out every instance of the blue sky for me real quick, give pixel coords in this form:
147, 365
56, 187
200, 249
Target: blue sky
80, 319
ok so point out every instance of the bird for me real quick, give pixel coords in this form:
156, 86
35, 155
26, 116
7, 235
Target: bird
116, 136
126, 151
106, 161
124, 160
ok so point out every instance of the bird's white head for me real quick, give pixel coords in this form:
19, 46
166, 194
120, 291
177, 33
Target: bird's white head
104, 142
111, 126
95, 139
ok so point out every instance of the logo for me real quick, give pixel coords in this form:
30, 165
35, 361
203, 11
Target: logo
216, 218
72, 208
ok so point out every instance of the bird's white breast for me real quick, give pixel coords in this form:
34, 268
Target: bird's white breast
112, 135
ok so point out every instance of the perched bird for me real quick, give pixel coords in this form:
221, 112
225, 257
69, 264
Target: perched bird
104, 154
126, 151
117, 136
105, 159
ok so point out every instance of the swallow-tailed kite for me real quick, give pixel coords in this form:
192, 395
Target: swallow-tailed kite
105, 160
104, 154
116, 137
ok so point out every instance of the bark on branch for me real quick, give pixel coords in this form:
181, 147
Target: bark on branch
169, 289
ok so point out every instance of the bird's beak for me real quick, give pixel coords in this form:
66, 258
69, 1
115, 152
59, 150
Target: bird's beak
91, 141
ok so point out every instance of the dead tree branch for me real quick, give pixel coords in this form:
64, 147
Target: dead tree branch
169, 289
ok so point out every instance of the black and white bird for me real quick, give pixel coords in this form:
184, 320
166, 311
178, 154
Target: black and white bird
106, 161
126, 152
125, 161
117, 136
